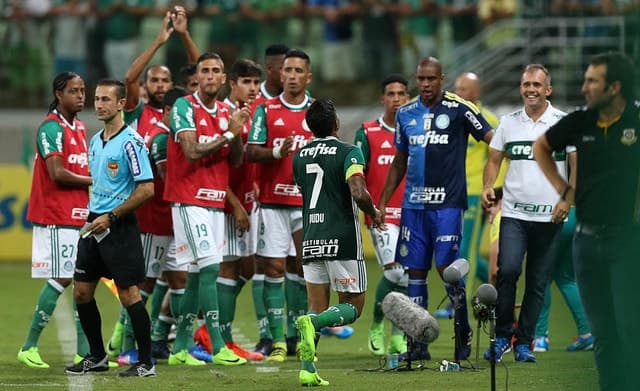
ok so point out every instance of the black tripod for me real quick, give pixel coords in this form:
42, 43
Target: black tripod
459, 340
492, 346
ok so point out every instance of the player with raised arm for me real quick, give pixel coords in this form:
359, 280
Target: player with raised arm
375, 139
154, 218
330, 174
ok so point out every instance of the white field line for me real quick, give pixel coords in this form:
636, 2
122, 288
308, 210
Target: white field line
65, 320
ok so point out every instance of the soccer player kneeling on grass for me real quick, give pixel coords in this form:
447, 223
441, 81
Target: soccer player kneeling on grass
329, 173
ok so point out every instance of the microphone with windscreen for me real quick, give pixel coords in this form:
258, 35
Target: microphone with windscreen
484, 300
414, 320
456, 271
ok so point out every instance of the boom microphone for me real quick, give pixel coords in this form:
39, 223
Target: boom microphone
487, 294
414, 320
456, 271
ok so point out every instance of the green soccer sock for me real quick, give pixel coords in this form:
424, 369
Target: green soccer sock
185, 311
274, 294
161, 329
384, 287
336, 315
240, 283
157, 297
209, 304
302, 304
82, 345
257, 290
44, 309
227, 290
291, 296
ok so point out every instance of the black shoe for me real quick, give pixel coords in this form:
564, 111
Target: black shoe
139, 369
88, 364
292, 346
264, 346
160, 350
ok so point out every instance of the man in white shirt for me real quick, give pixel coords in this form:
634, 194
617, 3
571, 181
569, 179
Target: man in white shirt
532, 212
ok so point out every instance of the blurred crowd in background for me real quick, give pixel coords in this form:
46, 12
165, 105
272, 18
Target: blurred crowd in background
352, 43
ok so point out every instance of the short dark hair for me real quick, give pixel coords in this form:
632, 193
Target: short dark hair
431, 62
393, 78
172, 96
188, 70
297, 53
276, 49
59, 84
209, 56
620, 68
321, 117
121, 89
244, 68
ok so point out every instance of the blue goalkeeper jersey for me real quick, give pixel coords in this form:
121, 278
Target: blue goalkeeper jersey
435, 139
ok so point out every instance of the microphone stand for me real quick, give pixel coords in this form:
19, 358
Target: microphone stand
410, 348
456, 322
492, 346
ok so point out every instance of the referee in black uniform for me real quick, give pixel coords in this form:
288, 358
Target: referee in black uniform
607, 198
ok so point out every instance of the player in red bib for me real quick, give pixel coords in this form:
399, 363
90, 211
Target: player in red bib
376, 140
57, 207
204, 143
278, 129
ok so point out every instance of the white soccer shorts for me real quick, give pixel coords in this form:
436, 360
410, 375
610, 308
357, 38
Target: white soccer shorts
53, 251
276, 228
240, 244
344, 276
199, 235
384, 243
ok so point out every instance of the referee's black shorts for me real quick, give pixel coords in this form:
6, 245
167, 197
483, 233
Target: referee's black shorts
118, 256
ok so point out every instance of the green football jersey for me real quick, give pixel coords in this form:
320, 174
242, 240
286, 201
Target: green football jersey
330, 215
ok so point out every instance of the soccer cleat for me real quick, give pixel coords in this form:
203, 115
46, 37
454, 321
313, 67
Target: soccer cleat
311, 379
240, 352
184, 358
139, 369
201, 337
581, 344
341, 332
31, 358
293, 346
397, 344
502, 346
445, 313
228, 358
463, 352
420, 352
200, 353
307, 337
129, 357
264, 346
88, 364
376, 339
278, 353
523, 353
541, 344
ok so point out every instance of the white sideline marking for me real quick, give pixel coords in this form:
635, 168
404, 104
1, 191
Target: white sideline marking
67, 337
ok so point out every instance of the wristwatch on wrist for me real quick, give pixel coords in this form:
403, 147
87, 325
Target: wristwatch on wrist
112, 217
